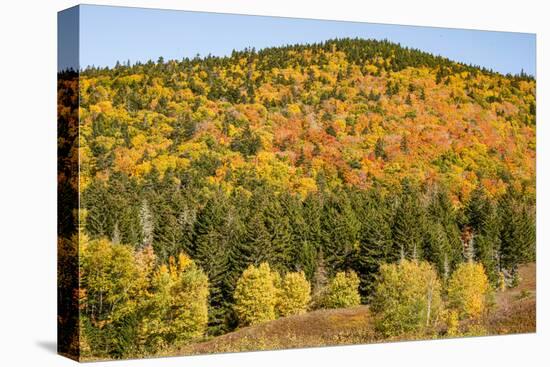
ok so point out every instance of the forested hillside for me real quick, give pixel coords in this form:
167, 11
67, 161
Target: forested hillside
326, 159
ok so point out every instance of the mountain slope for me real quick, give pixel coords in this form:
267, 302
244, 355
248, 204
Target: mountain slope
304, 117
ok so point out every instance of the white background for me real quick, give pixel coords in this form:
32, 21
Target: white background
28, 181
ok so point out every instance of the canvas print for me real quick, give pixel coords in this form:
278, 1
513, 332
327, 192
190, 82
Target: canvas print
233, 183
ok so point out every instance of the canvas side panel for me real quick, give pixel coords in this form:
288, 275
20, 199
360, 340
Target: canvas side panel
67, 180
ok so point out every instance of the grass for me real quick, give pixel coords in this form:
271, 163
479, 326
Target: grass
515, 311
313, 329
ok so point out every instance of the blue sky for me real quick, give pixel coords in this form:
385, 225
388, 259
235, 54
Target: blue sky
108, 34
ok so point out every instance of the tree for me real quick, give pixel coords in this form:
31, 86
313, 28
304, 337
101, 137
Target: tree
342, 291
375, 239
248, 143
443, 247
255, 295
293, 294
468, 290
319, 280
407, 298
380, 149
518, 234
483, 218
111, 285
218, 233
129, 306
340, 228
177, 310
408, 228
146, 222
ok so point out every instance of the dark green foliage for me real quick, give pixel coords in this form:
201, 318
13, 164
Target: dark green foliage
482, 217
340, 227
409, 224
517, 234
248, 143
443, 247
375, 239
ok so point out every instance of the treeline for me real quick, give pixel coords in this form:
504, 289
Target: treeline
321, 235
131, 305
357, 50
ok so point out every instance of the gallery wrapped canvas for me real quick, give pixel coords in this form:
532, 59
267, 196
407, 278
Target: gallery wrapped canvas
232, 183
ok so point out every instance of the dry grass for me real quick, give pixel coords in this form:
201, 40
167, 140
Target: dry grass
313, 329
515, 310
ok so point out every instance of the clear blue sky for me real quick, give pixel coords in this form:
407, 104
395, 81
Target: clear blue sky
108, 34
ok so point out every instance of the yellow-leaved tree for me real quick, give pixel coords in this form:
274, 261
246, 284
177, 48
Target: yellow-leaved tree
256, 295
342, 291
294, 294
469, 290
407, 298
177, 311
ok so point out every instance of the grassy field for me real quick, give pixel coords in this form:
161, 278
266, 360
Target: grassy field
514, 312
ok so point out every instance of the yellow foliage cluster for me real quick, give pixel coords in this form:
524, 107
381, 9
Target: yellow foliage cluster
407, 298
468, 290
262, 295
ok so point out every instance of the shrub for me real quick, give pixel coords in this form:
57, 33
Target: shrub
342, 291
452, 323
293, 295
469, 290
255, 295
407, 298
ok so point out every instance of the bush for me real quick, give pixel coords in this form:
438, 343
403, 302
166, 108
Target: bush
407, 298
452, 323
255, 295
342, 291
469, 290
293, 295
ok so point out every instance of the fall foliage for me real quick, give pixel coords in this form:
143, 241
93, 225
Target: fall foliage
217, 193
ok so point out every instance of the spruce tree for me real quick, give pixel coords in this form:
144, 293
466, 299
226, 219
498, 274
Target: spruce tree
517, 232
375, 240
408, 230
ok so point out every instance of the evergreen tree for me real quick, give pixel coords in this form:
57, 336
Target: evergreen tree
483, 219
409, 224
375, 240
340, 228
217, 231
517, 233
443, 247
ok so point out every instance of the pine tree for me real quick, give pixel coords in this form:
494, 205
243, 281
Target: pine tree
517, 233
340, 228
375, 240
214, 240
483, 219
408, 230
443, 247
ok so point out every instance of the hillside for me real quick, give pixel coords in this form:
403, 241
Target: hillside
304, 166
305, 117
514, 312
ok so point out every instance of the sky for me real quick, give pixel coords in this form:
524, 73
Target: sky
110, 34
